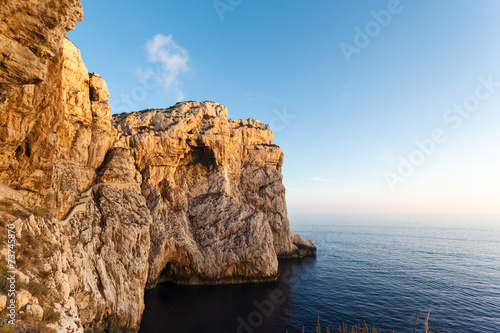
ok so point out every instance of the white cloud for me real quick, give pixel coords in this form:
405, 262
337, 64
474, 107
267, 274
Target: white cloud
171, 59
321, 179
180, 96
290, 188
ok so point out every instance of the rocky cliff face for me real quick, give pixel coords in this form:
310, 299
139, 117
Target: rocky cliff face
55, 134
105, 207
31, 33
214, 189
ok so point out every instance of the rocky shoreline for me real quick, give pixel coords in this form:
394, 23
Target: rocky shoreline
105, 206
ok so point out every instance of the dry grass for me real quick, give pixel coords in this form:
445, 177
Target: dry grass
26, 327
7, 328
344, 328
11, 210
48, 330
36, 289
41, 212
3, 266
50, 315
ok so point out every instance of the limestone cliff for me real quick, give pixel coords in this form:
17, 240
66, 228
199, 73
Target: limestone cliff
31, 32
106, 206
214, 189
54, 135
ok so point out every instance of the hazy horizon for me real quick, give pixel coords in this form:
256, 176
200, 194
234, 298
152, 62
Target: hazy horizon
380, 107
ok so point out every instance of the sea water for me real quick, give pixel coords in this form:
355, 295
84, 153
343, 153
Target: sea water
377, 269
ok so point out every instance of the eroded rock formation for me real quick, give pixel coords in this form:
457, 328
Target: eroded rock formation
105, 207
214, 189
55, 134
32, 32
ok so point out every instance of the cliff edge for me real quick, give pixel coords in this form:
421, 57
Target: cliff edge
105, 206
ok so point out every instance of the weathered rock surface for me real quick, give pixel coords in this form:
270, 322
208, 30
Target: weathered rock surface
23, 297
96, 264
214, 189
55, 134
184, 195
35, 312
31, 32
104, 207
3, 302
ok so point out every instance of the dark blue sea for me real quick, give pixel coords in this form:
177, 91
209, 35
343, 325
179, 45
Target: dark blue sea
381, 269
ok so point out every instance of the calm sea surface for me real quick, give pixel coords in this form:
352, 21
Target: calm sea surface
381, 269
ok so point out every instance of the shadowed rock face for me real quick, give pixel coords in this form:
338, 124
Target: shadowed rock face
107, 206
214, 189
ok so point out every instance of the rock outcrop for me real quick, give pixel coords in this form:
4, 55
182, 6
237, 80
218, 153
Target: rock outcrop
106, 206
32, 32
214, 189
55, 134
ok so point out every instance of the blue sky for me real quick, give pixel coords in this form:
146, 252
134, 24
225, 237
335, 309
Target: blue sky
380, 106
